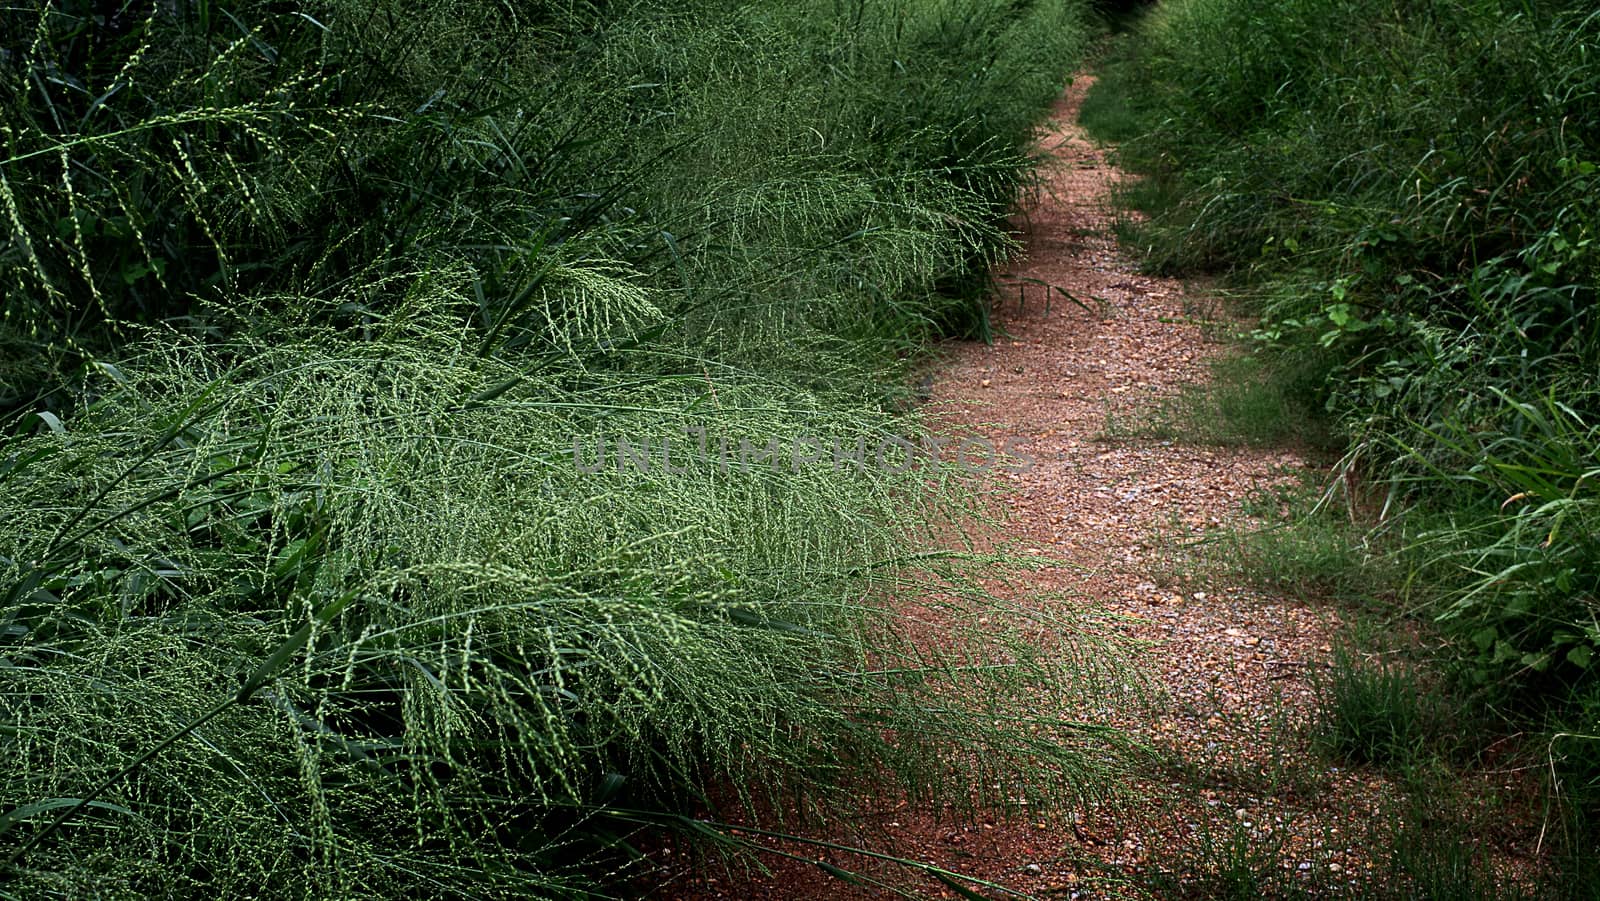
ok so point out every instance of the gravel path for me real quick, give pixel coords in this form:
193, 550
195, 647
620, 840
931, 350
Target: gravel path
1229, 663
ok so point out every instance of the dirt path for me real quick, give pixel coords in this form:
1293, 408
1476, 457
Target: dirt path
1230, 662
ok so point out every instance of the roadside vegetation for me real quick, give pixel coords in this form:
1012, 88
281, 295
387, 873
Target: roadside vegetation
313, 314
1404, 201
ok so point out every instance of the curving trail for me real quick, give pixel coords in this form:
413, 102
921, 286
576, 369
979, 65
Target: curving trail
1229, 663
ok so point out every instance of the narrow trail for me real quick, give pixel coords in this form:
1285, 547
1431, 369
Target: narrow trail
1228, 662
1104, 515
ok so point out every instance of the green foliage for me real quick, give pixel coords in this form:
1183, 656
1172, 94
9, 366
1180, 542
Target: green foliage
1380, 711
1258, 400
1233, 864
1418, 221
1523, 541
1409, 190
1297, 538
859, 157
1224, 858
1111, 111
313, 310
512, 635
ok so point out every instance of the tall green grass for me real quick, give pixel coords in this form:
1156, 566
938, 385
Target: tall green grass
313, 310
1408, 190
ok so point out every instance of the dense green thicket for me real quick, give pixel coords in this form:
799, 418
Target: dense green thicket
310, 309
1412, 192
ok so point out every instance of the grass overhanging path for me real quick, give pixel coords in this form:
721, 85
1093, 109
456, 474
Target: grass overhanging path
1084, 340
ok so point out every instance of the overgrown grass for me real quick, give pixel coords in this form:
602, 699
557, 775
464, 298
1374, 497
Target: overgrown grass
316, 315
1250, 400
1297, 538
1408, 191
1378, 710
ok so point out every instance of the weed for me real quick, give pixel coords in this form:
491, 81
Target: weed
1372, 710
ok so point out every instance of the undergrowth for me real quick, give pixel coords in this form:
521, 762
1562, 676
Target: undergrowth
318, 316
1406, 191
1249, 400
